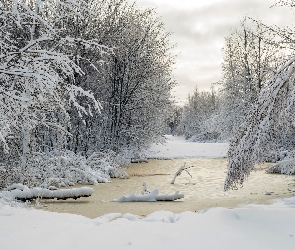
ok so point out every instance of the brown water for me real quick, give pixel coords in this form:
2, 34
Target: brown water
204, 190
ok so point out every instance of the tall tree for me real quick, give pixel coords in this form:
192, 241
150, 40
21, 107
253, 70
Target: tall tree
36, 77
274, 111
135, 80
249, 62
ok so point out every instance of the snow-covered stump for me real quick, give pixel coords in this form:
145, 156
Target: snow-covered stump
23, 193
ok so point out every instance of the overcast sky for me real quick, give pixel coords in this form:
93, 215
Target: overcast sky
199, 28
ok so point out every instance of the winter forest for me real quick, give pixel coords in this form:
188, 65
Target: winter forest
85, 86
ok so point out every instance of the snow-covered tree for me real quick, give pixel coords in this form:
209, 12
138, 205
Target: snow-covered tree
249, 62
200, 108
135, 80
270, 117
37, 82
174, 119
258, 135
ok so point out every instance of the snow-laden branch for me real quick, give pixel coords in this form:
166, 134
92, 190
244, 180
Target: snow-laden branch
40, 9
256, 136
180, 170
78, 91
146, 196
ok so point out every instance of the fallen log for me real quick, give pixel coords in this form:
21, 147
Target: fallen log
151, 196
23, 193
139, 160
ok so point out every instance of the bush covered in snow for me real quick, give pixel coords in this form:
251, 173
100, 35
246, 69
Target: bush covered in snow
286, 166
277, 155
205, 137
64, 168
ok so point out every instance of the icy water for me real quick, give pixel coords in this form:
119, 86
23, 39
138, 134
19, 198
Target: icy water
203, 191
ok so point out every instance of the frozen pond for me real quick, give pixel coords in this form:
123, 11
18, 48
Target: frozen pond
203, 191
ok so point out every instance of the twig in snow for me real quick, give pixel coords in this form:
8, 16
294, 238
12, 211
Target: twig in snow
144, 189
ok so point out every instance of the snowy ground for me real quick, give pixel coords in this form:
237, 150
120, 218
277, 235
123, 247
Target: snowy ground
178, 147
252, 227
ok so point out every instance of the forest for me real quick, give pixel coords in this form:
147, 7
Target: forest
85, 86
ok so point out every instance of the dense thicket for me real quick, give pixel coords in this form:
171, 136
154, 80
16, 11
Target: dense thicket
134, 80
57, 58
197, 115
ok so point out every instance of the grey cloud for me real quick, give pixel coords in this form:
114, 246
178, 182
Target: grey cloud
220, 18
199, 34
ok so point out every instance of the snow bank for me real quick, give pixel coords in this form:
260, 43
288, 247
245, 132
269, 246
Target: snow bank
178, 147
249, 228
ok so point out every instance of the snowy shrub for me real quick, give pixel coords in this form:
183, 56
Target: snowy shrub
205, 137
277, 155
9, 175
109, 163
286, 166
64, 168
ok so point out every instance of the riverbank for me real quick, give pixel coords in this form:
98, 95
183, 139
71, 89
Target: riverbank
247, 227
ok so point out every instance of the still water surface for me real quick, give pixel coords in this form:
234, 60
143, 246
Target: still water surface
203, 191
